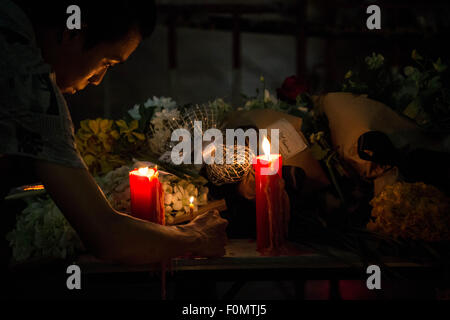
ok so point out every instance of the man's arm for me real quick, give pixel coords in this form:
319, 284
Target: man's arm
114, 236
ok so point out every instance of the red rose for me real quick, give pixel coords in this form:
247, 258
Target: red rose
291, 88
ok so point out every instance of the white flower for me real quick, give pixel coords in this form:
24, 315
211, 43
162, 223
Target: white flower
42, 231
168, 198
303, 109
177, 205
134, 112
160, 103
268, 97
165, 114
249, 104
162, 125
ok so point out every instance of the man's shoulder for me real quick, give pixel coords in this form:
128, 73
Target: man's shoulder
14, 23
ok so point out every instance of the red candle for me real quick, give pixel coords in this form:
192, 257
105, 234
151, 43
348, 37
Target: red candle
147, 195
270, 229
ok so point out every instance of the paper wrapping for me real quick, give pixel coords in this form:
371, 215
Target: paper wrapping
295, 152
350, 116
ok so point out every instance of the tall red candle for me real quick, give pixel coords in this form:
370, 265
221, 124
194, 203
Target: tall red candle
270, 229
147, 195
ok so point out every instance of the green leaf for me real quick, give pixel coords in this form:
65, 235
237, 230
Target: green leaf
439, 66
412, 110
415, 55
375, 61
317, 152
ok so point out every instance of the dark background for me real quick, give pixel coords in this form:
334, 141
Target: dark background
202, 50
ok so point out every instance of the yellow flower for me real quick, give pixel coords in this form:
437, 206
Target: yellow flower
98, 143
95, 140
99, 129
412, 211
127, 130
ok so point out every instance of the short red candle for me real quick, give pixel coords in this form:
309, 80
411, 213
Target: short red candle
270, 233
147, 197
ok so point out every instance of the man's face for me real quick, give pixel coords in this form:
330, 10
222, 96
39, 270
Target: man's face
76, 67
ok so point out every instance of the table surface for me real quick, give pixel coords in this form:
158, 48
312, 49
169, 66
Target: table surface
200, 277
241, 254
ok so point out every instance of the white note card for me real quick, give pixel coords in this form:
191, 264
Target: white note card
291, 143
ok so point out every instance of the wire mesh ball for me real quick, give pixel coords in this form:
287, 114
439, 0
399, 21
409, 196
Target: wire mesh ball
220, 174
161, 133
206, 114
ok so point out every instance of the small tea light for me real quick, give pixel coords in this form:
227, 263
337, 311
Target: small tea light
191, 205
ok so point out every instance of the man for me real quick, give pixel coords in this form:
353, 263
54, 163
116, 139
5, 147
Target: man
40, 59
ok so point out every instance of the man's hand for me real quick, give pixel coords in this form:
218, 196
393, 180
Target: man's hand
210, 228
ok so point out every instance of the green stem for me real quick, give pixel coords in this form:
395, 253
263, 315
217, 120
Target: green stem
333, 177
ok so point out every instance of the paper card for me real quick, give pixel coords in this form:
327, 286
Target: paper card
291, 142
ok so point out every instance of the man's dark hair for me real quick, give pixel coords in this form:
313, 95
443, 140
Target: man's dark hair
102, 20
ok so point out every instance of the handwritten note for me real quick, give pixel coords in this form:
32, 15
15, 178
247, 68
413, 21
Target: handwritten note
291, 142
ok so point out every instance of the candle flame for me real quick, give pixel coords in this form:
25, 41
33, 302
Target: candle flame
191, 200
146, 172
266, 147
143, 171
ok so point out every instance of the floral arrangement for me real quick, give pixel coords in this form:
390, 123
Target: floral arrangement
43, 231
419, 91
411, 211
106, 144
97, 140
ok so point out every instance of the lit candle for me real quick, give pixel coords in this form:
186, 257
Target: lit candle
191, 206
270, 230
147, 196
